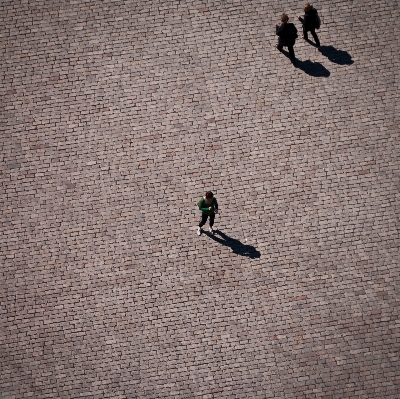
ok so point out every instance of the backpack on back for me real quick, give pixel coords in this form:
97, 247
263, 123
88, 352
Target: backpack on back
292, 33
317, 21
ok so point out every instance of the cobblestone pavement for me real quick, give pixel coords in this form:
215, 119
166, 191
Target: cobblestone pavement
116, 117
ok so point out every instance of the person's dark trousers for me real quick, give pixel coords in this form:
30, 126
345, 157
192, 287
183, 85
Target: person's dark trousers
204, 218
314, 35
291, 52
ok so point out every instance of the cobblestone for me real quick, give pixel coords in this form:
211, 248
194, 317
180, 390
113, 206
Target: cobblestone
116, 117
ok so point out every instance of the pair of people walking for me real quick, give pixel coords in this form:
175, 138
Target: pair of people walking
287, 32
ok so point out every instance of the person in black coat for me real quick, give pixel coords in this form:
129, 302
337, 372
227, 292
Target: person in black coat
310, 23
287, 34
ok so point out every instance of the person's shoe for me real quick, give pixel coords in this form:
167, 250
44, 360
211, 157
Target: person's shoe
211, 231
199, 231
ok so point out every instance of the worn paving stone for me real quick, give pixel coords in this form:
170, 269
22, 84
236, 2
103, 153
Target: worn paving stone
115, 118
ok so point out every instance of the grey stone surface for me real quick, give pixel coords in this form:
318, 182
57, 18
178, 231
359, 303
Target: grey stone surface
116, 117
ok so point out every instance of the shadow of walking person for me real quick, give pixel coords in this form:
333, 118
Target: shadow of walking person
337, 56
313, 69
236, 246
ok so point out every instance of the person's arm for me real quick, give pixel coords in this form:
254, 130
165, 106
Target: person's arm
300, 19
203, 206
278, 29
215, 203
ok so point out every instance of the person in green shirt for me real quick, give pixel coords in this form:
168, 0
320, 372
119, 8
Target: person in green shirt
209, 207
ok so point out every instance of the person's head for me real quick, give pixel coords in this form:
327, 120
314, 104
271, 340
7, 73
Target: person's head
307, 7
284, 18
209, 195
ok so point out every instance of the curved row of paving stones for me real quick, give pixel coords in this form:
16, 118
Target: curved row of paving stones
115, 118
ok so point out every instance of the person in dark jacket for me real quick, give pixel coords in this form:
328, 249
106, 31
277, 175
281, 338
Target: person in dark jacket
287, 34
310, 23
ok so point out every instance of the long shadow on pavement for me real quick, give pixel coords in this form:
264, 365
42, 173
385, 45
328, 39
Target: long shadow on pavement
337, 56
315, 69
236, 246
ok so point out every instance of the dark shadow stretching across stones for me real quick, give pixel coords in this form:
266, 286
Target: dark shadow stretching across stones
315, 69
337, 56
236, 246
